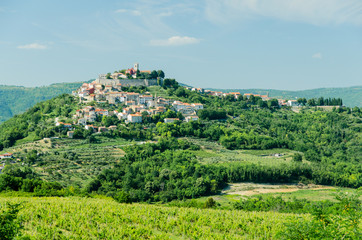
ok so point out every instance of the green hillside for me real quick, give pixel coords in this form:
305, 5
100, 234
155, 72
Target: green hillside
17, 99
198, 164
352, 96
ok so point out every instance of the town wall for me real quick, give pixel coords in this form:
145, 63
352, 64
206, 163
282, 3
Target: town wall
128, 82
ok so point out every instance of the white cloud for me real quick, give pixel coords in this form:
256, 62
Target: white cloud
317, 55
175, 41
133, 12
318, 12
33, 46
165, 14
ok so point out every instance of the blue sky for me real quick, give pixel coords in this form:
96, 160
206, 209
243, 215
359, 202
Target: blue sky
278, 44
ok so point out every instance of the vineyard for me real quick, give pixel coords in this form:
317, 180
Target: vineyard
72, 161
81, 218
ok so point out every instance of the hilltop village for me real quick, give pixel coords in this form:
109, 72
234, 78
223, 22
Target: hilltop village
110, 89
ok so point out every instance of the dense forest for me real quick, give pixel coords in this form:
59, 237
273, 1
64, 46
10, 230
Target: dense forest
15, 100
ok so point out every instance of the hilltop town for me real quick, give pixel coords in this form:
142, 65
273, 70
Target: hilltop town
110, 88
114, 89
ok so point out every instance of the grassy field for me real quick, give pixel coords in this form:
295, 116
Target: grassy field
82, 218
212, 153
160, 92
311, 194
236, 191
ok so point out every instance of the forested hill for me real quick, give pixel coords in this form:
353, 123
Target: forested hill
352, 96
17, 99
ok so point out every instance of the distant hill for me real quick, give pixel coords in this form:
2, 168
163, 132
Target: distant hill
17, 99
352, 96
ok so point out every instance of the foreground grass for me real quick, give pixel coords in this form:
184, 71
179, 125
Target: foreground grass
82, 218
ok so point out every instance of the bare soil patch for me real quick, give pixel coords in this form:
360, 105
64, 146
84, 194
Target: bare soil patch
249, 189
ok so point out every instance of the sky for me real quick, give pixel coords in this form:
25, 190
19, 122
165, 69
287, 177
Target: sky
274, 44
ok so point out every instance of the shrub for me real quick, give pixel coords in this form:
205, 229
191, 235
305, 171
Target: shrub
343, 224
9, 224
297, 157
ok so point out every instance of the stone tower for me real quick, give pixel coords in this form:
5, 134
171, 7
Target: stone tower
136, 67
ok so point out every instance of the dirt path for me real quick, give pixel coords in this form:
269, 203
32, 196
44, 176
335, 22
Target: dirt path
249, 189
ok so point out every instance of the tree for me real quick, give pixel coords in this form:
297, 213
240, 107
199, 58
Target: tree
109, 120
297, 157
262, 104
311, 102
180, 92
160, 74
273, 103
93, 186
78, 134
32, 156
210, 203
343, 224
320, 101
159, 81
153, 75
302, 101
9, 225
123, 197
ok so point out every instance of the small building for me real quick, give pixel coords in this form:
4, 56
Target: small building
265, 97
91, 127
68, 125
59, 123
127, 110
70, 134
170, 120
282, 102
197, 106
133, 97
191, 118
103, 112
87, 127
137, 108
130, 103
248, 95
82, 121
112, 128
134, 118
65, 125
292, 103
6, 156
236, 94
145, 98
122, 115
102, 129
